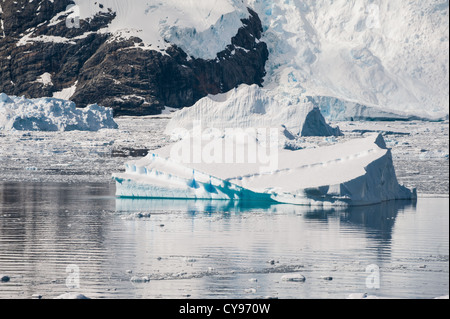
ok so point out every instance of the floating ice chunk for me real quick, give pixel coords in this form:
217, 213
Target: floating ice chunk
136, 279
250, 291
50, 114
293, 278
357, 172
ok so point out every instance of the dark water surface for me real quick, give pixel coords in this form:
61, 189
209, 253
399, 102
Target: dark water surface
58, 238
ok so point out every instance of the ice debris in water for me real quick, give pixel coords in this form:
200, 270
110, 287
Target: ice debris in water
137, 279
293, 278
139, 215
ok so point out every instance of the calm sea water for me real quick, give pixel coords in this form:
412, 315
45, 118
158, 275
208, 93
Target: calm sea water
58, 238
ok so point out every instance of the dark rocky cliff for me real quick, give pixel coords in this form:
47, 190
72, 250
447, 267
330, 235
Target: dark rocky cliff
115, 73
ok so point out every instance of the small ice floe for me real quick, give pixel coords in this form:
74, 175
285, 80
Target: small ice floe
72, 296
293, 278
139, 280
139, 215
253, 280
250, 291
4, 278
423, 266
443, 297
189, 260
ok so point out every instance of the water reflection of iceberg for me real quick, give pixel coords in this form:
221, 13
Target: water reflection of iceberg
373, 216
377, 217
195, 206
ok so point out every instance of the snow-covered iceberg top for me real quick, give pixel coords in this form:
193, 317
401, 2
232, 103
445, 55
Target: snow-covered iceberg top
358, 172
254, 107
50, 114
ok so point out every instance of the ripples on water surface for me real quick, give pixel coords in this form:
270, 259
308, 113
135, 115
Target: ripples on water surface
203, 249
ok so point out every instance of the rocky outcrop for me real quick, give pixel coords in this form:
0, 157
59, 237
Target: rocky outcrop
115, 72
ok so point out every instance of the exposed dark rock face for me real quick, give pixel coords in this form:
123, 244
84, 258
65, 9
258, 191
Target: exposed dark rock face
114, 73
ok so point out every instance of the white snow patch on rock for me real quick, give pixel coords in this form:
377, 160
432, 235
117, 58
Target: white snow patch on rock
202, 28
45, 79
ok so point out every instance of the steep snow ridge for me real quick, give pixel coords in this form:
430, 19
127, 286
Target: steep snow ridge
358, 172
254, 107
391, 55
202, 28
49, 114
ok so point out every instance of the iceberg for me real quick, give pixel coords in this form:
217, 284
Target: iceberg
51, 114
354, 173
250, 106
334, 109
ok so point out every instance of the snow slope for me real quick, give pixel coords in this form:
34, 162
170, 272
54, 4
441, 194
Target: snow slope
253, 107
389, 55
50, 114
358, 172
202, 28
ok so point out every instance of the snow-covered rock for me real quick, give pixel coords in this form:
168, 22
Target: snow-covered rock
357, 172
202, 28
253, 107
50, 114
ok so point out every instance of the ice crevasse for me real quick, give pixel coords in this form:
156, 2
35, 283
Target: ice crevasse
357, 172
